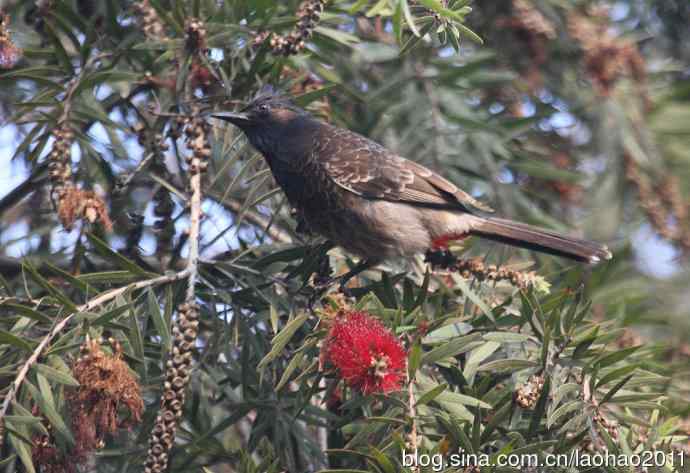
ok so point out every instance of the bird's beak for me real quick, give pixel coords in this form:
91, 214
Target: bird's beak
236, 118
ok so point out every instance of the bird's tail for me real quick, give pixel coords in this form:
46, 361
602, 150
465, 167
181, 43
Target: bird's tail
537, 239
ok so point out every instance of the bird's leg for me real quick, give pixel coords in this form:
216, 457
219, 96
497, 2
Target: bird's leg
302, 226
323, 284
359, 268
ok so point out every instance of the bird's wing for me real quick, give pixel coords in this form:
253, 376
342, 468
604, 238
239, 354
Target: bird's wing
368, 169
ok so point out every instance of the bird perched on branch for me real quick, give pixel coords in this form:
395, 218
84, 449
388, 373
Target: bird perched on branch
372, 202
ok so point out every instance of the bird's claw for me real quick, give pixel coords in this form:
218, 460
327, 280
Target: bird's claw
344, 290
318, 288
440, 258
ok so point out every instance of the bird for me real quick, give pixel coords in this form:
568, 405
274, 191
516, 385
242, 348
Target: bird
371, 201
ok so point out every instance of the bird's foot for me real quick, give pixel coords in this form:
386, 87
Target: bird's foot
320, 287
345, 290
318, 290
440, 258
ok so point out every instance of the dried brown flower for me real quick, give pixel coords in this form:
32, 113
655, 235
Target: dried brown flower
528, 394
48, 458
476, 268
611, 426
530, 25
9, 52
534, 30
629, 338
150, 21
201, 76
177, 375
606, 58
196, 133
71, 202
163, 227
665, 207
196, 35
105, 385
308, 15
59, 165
74, 204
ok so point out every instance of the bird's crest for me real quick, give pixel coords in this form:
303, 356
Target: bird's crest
269, 94
267, 90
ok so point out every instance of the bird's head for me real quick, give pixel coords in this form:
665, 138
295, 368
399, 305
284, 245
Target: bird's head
271, 122
269, 112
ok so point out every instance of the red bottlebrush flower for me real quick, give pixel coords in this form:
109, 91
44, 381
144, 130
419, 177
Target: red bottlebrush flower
368, 356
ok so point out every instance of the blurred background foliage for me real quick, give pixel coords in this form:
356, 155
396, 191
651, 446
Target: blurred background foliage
573, 115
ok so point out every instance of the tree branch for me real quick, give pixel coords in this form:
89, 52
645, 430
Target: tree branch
58, 327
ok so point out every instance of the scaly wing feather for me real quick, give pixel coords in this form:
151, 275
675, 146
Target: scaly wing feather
368, 169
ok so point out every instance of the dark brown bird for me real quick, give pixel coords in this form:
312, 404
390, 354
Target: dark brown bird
372, 202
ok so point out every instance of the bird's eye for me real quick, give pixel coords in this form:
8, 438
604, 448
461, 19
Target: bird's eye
263, 109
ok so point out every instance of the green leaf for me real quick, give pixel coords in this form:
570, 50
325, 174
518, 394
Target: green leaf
383, 461
430, 395
397, 21
109, 315
451, 348
7, 461
359, 4
617, 373
457, 398
505, 337
281, 340
446, 332
24, 419
414, 359
614, 357
106, 77
23, 452
41, 281
508, 364
609, 395
305, 99
55, 375
135, 336
563, 391
561, 411
158, 320
583, 346
412, 42
409, 19
295, 362
434, 5
471, 295
28, 312
15, 341
464, 30
478, 355
108, 253
380, 8
49, 410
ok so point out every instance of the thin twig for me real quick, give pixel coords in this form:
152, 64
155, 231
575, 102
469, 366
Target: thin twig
194, 226
412, 413
74, 84
124, 184
58, 327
